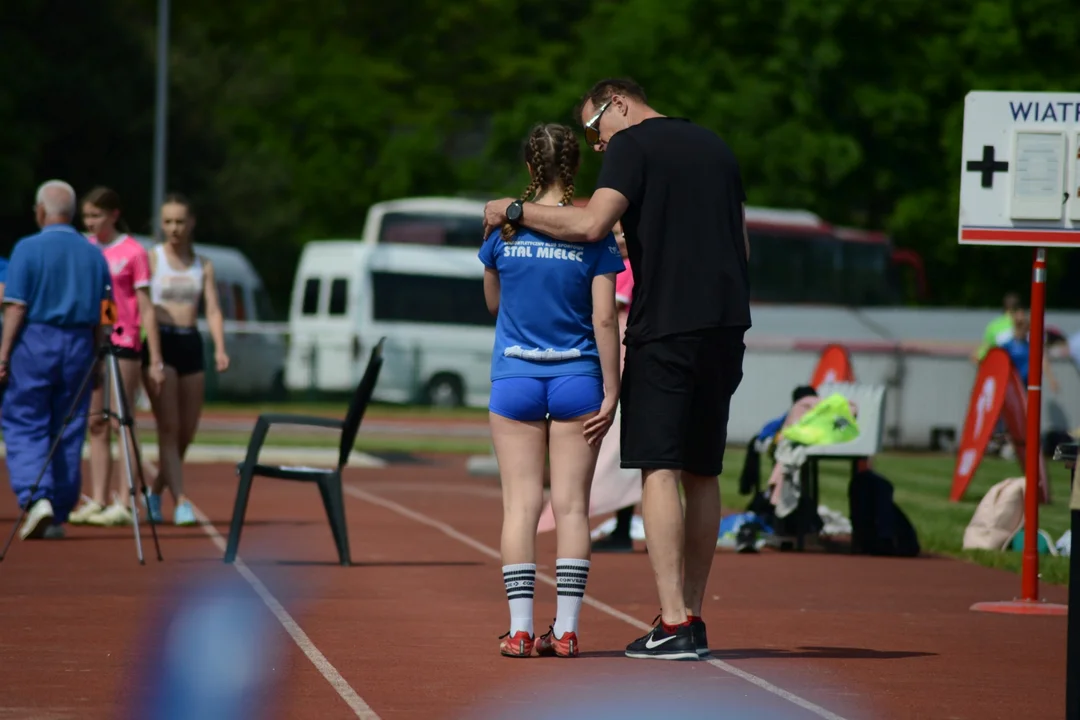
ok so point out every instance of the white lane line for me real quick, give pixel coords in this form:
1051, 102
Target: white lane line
483, 549
325, 668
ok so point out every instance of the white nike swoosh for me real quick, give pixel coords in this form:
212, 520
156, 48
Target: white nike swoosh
650, 643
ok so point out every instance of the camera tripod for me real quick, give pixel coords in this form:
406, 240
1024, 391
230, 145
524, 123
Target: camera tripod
110, 376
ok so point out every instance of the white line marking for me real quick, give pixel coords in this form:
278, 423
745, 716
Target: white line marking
464, 539
328, 671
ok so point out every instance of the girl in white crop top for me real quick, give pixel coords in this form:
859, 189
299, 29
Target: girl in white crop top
175, 286
179, 280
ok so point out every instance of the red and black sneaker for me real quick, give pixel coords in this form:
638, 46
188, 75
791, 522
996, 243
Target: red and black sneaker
548, 645
520, 645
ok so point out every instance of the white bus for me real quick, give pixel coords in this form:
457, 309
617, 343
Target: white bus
427, 302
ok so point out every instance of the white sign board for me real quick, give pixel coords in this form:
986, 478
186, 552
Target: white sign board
1020, 172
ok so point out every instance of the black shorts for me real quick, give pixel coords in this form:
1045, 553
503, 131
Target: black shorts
181, 349
676, 398
122, 353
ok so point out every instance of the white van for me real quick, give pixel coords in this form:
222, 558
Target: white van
427, 301
255, 343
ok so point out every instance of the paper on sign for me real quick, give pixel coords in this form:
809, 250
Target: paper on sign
1038, 182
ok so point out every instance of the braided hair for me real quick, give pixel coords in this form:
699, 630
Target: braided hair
553, 154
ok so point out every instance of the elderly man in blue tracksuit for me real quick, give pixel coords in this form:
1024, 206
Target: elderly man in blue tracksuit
56, 282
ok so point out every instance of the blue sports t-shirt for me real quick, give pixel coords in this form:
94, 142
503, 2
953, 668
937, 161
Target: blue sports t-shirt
1020, 354
544, 327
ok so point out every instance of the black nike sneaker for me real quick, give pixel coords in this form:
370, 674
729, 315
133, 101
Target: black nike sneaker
701, 640
661, 645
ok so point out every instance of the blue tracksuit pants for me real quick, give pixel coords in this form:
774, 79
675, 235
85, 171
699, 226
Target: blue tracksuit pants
48, 364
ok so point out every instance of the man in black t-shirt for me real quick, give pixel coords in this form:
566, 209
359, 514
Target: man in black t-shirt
678, 191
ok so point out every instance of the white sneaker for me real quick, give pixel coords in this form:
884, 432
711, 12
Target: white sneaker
111, 516
82, 515
38, 520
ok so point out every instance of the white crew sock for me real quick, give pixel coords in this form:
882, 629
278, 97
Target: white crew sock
571, 576
520, 581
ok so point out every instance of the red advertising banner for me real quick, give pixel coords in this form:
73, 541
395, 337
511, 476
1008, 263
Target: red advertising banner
1014, 413
984, 409
834, 365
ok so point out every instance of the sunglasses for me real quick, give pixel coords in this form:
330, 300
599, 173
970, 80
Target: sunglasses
592, 128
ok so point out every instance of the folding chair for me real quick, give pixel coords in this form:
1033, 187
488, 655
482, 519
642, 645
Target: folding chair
328, 479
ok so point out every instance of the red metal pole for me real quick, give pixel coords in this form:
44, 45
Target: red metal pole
1029, 580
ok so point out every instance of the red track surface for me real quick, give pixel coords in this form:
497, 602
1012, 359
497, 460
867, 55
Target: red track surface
412, 628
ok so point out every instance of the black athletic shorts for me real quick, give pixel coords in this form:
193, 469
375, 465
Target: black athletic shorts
676, 397
181, 349
122, 353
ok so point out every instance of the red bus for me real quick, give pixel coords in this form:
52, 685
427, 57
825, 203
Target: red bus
796, 258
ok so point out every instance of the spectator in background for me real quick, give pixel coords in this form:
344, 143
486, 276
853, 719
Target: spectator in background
179, 280
52, 311
998, 330
130, 268
1018, 345
619, 539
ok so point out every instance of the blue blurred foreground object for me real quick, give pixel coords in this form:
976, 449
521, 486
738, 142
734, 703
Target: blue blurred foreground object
214, 658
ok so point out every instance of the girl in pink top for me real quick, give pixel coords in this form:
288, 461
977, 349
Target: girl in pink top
130, 269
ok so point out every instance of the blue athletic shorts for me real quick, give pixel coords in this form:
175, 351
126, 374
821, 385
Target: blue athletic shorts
531, 399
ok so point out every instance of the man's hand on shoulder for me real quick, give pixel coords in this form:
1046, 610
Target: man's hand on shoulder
495, 214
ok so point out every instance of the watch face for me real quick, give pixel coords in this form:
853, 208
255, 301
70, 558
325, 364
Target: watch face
513, 212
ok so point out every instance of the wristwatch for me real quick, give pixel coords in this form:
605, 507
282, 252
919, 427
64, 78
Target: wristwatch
513, 212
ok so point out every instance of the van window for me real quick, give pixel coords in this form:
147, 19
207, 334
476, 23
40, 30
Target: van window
403, 297
339, 296
239, 302
429, 229
311, 297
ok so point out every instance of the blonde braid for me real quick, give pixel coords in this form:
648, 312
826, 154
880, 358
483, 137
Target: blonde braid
568, 152
534, 156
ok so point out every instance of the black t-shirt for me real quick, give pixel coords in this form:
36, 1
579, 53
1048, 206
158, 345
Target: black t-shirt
684, 228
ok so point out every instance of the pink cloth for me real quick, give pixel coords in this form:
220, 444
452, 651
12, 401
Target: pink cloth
624, 285
130, 269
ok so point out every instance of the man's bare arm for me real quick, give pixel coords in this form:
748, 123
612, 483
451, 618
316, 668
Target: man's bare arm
14, 314
589, 224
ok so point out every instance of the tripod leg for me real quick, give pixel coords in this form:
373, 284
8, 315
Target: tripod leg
117, 380
127, 434
48, 458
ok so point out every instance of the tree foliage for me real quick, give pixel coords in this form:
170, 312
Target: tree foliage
288, 119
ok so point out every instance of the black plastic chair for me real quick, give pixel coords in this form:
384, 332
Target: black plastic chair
328, 479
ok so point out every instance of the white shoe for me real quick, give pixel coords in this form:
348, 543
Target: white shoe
111, 516
87, 510
38, 520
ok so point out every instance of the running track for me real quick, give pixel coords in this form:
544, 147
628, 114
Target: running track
411, 631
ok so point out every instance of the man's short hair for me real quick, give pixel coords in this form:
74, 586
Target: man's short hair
58, 199
602, 91
1011, 302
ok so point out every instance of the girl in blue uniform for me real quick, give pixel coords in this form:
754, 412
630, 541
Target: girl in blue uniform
554, 389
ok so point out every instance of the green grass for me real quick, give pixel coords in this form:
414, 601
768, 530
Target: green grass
921, 485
